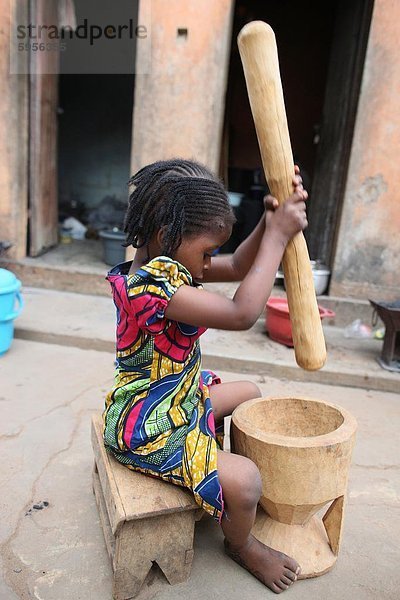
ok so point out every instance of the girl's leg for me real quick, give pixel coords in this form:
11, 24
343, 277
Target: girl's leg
241, 486
225, 397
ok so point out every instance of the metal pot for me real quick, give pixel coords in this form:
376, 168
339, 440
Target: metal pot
321, 275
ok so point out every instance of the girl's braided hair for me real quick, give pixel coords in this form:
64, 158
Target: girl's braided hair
182, 196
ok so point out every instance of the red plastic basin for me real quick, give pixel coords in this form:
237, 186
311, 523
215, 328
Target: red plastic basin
277, 320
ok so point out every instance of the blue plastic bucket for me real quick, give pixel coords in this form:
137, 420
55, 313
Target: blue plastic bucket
9, 295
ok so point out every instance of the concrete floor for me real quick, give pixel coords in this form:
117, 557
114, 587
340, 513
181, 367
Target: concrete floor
56, 551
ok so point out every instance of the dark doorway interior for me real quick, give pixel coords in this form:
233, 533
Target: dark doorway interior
319, 44
94, 141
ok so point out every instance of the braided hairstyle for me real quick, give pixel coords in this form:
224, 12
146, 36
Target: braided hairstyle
182, 196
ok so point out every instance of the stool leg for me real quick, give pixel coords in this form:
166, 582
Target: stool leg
166, 540
132, 561
388, 346
104, 520
174, 553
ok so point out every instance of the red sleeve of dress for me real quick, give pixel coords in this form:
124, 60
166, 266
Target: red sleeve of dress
150, 290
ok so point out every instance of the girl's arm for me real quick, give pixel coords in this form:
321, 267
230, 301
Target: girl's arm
206, 309
236, 266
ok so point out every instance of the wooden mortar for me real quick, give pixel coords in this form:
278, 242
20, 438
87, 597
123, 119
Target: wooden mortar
303, 450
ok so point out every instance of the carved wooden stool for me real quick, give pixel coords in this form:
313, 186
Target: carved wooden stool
145, 521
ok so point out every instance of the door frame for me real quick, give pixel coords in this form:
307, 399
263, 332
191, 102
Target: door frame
42, 150
349, 44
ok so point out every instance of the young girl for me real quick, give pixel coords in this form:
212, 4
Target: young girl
161, 414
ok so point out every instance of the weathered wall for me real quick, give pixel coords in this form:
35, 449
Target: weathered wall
13, 140
367, 260
179, 106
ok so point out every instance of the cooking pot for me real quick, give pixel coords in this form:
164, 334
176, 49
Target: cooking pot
277, 320
320, 274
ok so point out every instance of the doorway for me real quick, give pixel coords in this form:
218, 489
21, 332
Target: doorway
321, 49
94, 143
80, 129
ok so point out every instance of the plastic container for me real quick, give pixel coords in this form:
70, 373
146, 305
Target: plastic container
9, 295
113, 251
277, 320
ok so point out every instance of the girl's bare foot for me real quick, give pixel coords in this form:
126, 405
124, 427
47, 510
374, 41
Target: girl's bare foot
274, 569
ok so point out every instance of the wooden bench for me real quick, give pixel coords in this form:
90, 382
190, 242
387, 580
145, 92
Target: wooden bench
145, 521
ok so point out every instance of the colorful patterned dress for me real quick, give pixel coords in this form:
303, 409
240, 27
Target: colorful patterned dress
158, 417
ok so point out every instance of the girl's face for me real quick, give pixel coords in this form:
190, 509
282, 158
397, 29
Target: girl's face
195, 252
